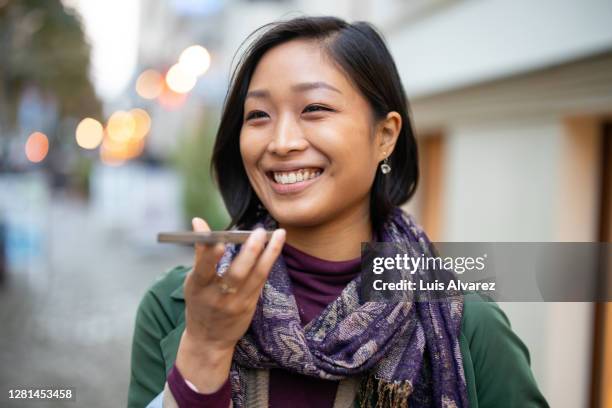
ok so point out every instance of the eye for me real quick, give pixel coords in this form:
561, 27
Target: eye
315, 108
255, 115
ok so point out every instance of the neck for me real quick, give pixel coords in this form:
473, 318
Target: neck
336, 240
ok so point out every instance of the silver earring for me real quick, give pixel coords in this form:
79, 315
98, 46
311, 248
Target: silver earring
385, 168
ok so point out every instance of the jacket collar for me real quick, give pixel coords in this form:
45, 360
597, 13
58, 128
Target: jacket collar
179, 293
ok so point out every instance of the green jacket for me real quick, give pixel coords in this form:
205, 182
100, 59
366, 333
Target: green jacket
495, 360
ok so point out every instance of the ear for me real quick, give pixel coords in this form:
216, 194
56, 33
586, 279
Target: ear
387, 133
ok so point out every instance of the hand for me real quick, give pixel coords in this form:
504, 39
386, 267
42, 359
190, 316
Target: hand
215, 321
221, 319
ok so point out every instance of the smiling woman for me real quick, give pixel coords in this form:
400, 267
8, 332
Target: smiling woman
322, 94
315, 143
303, 116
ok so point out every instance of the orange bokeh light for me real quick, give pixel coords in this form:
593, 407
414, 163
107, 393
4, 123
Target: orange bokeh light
116, 152
150, 84
142, 121
124, 137
171, 100
121, 126
37, 147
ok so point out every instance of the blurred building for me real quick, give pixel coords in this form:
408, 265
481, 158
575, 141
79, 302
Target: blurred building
512, 102
167, 27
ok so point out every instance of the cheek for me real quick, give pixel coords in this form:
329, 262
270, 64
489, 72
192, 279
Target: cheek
352, 154
356, 171
249, 151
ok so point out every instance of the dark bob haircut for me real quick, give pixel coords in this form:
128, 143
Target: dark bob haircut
360, 51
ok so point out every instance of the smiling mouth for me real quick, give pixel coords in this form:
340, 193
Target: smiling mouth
295, 176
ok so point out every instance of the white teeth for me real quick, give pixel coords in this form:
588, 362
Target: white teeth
295, 176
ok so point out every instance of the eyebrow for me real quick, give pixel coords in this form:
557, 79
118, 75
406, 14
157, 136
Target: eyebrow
301, 87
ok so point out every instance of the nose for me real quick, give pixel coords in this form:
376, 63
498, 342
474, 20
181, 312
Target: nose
287, 137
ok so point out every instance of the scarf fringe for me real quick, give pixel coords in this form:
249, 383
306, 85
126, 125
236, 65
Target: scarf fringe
389, 394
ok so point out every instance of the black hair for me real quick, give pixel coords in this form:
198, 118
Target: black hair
360, 51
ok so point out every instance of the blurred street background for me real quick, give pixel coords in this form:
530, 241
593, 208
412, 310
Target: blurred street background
108, 113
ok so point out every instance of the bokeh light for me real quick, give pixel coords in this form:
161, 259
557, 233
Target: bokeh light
124, 137
120, 126
171, 100
37, 147
150, 84
142, 121
89, 133
107, 157
114, 152
195, 59
179, 79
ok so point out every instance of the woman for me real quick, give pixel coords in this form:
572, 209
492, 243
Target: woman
316, 144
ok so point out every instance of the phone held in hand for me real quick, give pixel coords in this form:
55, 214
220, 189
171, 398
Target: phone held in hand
207, 237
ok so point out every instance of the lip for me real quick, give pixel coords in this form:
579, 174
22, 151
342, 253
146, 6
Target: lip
287, 167
286, 189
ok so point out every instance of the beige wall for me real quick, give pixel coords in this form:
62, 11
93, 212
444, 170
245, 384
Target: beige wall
522, 162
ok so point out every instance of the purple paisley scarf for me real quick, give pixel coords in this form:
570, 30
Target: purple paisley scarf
406, 352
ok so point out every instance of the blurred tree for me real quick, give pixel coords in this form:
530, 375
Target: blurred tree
42, 45
201, 198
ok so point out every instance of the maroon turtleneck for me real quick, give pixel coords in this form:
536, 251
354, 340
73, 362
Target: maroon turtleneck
315, 283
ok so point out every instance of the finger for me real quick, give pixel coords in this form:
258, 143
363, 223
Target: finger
264, 264
199, 225
206, 256
246, 258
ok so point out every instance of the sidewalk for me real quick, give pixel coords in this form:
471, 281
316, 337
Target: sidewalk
70, 323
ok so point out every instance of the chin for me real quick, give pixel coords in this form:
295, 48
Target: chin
296, 216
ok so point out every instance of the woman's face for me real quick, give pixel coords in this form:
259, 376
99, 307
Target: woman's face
308, 141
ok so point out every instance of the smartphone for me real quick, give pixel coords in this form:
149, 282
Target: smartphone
209, 237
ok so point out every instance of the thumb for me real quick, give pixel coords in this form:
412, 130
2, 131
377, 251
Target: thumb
199, 225
206, 256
